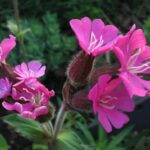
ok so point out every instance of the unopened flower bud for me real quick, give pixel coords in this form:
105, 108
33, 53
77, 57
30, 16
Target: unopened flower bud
80, 68
81, 102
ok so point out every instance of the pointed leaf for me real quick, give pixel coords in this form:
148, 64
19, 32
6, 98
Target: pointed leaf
68, 140
30, 129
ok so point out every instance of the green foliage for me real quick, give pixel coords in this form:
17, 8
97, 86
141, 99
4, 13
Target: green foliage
68, 140
147, 28
40, 146
28, 128
115, 142
86, 133
43, 41
3, 143
138, 140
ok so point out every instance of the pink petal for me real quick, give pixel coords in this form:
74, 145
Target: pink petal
113, 84
28, 115
7, 45
117, 119
107, 47
5, 88
97, 27
124, 102
16, 106
37, 68
133, 84
33, 69
98, 88
104, 121
137, 40
109, 33
82, 29
40, 111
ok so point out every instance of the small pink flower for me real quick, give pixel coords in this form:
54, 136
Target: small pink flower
134, 57
110, 99
32, 99
6, 46
94, 36
5, 88
33, 69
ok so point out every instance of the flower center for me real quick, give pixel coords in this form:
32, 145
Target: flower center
95, 43
108, 102
37, 98
137, 68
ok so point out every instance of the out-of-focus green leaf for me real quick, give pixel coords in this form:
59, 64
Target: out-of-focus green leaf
102, 139
112, 145
28, 128
86, 133
12, 26
39, 146
3, 143
68, 140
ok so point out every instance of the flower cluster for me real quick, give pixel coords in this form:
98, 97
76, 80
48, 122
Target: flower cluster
112, 95
24, 94
111, 90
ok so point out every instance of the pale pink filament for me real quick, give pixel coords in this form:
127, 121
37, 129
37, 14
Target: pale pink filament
105, 102
139, 68
95, 43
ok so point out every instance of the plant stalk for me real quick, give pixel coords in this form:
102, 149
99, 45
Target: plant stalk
21, 39
60, 120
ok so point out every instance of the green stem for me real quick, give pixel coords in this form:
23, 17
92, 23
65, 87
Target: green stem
59, 120
21, 39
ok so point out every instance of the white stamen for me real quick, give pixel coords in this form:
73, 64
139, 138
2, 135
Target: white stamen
139, 68
95, 43
134, 57
105, 102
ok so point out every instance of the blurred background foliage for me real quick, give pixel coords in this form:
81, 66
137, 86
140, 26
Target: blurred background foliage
43, 33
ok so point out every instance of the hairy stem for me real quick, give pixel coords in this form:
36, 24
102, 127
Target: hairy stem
60, 119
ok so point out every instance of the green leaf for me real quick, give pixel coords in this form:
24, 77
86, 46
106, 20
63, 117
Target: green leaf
86, 133
118, 138
28, 128
102, 139
68, 140
3, 143
40, 146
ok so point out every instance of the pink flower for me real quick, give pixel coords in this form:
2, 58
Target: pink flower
110, 99
134, 57
31, 97
5, 88
94, 36
33, 69
6, 46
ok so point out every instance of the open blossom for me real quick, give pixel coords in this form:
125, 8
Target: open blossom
6, 46
30, 100
134, 57
5, 88
94, 36
110, 100
33, 69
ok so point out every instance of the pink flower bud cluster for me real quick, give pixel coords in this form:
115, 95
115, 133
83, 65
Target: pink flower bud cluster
29, 97
111, 96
